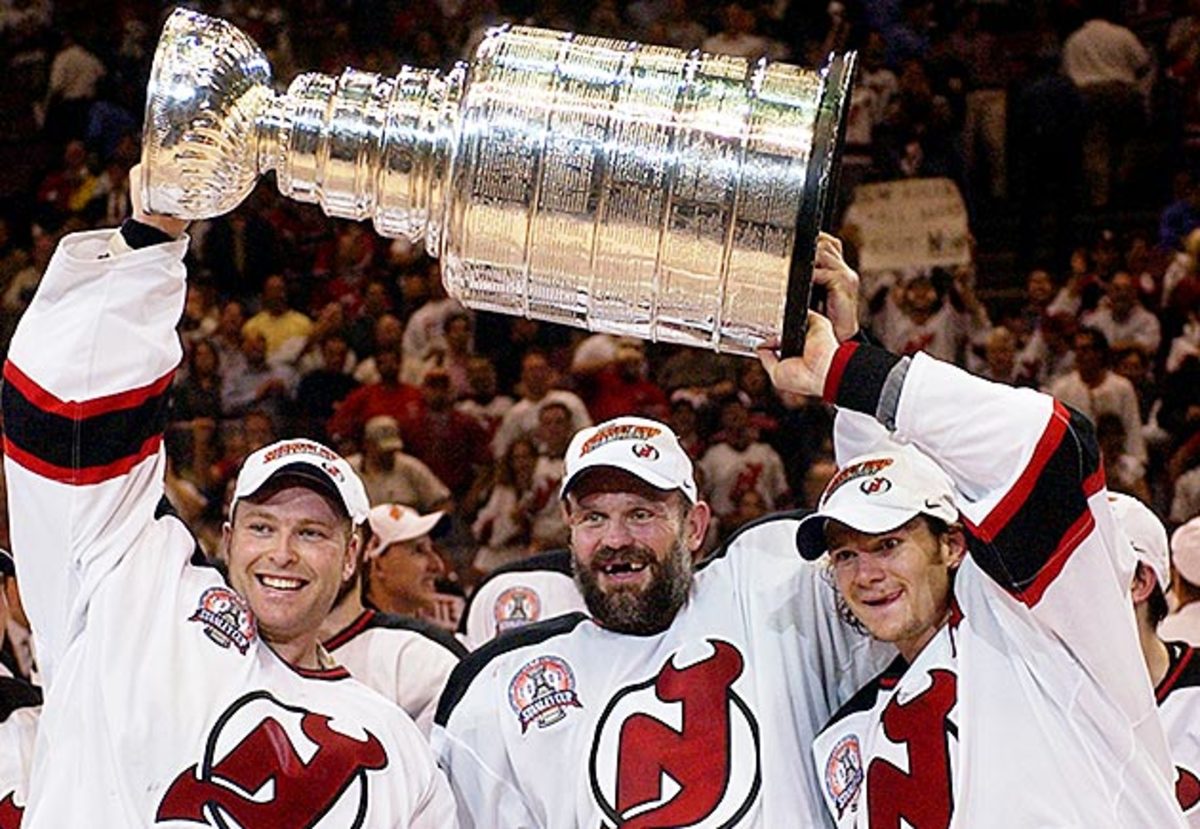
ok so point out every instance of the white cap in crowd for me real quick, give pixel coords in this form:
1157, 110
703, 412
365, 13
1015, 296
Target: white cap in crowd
1146, 534
392, 523
384, 432
308, 461
644, 448
1185, 551
878, 492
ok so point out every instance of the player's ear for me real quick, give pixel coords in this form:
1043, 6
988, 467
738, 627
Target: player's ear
1143, 585
353, 551
226, 540
956, 545
696, 525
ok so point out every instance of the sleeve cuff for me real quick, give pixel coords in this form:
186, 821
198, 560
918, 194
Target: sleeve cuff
858, 375
138, 235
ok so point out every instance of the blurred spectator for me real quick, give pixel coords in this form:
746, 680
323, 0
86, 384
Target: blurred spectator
20, 289
908, 36
201, 317
284, 329
197, 391
709, 376
376, 303
543, 511
621, 387
917, 316
450, 443
424, 329
502, 526
1183, 623
387, 337
1094, 390
1182, 216
684, 420
1108, 64
483, 402
227, 338
738, 462
322, 388
453, 352
239, 250
68, 189
258, 384
74, 74
537, 385
1122, 471
673, 24
1000, 357
985, 121
1123, 319
387, 397
739, 37
392, 475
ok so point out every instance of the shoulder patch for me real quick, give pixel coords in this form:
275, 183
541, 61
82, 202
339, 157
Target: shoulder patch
542, 691
226, 618
463, 675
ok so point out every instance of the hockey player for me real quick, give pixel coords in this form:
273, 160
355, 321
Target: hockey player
518, 594
408, 660
684, 699
1019, 697
1173, 667
168, 701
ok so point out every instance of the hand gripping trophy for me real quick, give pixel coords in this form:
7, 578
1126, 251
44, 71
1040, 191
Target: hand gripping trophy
619, 187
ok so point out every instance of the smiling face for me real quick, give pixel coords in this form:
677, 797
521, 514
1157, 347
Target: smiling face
633, 547
897, 583
288, 551
403, 578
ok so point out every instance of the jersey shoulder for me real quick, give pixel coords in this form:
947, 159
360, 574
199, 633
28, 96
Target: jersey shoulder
866, 697
475, 663
775, 526
429, 630
1183, 671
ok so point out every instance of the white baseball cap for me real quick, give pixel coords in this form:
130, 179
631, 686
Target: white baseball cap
1185, 551
1146, 534
384, 432
878, 492
308, 461
392, 523
644, 448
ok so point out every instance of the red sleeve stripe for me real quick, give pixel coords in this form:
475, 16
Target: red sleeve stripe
837, 368
50, 404
84, 475
1003, 512
1080, 530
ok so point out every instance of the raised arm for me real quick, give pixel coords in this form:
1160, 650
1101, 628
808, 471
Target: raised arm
85, 403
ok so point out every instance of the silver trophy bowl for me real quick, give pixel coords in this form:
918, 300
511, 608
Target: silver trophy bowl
614, 186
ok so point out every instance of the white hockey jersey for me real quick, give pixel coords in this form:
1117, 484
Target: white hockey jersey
20, 709
163, 706
565, 724
1179, 705
519, 594
407, 660
1032, 706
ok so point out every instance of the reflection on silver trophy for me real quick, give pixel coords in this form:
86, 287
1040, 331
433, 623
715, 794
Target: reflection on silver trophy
631, 189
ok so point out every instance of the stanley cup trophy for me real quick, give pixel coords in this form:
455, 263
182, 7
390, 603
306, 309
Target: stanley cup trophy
623, 188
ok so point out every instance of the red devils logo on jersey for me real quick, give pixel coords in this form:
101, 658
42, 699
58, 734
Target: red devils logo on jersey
1187, 789
10, 813
681, 749
272, 766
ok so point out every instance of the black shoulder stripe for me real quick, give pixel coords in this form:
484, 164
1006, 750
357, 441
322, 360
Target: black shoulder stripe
16, 694
864, 699
1182, 672
82, 442
462, 676
557, 561
784, 515
1051, 504
165, 509
429, 630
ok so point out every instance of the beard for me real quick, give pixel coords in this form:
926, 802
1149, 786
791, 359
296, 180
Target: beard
633, 609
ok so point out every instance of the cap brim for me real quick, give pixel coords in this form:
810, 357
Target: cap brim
306, 475
657, 481
810, 535
418, 527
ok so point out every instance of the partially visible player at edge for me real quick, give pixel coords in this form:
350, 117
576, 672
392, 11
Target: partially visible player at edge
1020, 696
169, 702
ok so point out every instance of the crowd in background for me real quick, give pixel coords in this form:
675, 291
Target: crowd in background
1079, 124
